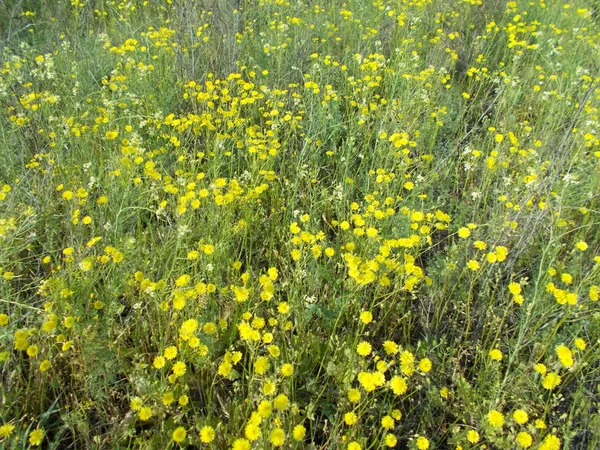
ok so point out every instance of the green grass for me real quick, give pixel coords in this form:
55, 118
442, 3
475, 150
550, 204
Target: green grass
255, 224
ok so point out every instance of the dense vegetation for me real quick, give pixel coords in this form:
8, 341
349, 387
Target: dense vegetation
300, 224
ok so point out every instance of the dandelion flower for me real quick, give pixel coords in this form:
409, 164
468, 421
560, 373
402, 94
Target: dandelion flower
36, 436
207, 434
551, 380
364, 348
277, 437
495, 418
299, 432
524, 439
520, 416
422, 443
550, 442
179, 434
473, 436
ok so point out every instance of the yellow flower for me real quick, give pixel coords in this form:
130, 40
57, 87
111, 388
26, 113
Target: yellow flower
495, 418
159, 362
581, 245
277, 437
145, 413
390, 347
473, 436
241, 444
422, 443
44, 365
354, 395
541, 369
398, 385
473, 265
111, 134
3, 320
170, 352
387, 422
514, 288
6, 430
350, 418
252, 431
36, 436
564, 355
287, 370
551, 380
425, 365
354, 446
390, 440
464, 232
281, 402
364, 348
179, 434
207, 434
520, 416
261, 365
168, 398
299, 432
550, 442
179, 368
366, 317
524, 439
496, 354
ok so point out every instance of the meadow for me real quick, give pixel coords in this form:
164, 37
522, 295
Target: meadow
256, 224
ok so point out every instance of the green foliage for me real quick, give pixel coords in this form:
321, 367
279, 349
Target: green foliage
255, 224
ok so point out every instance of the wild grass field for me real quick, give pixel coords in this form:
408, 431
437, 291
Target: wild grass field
360, 224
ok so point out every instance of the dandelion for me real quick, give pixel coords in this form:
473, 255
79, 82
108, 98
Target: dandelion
473, 265
364, 349
6, 430
464, 232
398, 385
495, 354
281, 402
425, 365
473, 436
299, 433
354, 395
551, 380
179, 434
390, 440
366, 317
170, 352
350, 418
145, 413
207, 434
287, 370
550, 442
495, 418
564, 355
179, 368
45, 365
524, 439
36, 436
277, 437
422, 443
241, 444
520, 416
